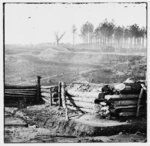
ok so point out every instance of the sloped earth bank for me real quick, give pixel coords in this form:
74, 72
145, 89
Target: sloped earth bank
45, 124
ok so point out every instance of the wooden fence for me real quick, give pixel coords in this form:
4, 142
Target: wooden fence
49, 94
16, 95
121, 105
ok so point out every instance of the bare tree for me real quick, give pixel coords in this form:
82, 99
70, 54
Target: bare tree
58, 37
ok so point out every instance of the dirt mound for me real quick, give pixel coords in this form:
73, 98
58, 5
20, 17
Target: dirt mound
93, 128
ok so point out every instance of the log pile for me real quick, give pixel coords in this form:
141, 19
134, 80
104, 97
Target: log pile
126, 102
109, 101
82, 101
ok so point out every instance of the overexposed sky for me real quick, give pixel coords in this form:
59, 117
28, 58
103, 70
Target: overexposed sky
37, 23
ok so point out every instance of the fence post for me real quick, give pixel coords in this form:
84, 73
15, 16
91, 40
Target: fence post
59, 94
139, 102
38, 89
63, 96
51, 103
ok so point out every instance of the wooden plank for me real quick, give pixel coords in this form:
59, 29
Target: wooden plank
82, 99
128, 110
127, 114
50, 94
45, 90
38, 89
122, 97
125, 107
46, 100
63, 94
124, 102
46, 94
81, 104
59, 94
19, 96
80, 109
48, 87
19, 87
139, 102
75, 93
22, 94
26, 90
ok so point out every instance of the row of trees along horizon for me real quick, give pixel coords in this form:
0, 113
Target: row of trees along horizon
107, 34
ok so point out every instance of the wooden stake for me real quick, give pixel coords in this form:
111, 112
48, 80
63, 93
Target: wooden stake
38, 89
139, 101
59, 94
63, 96
51, 102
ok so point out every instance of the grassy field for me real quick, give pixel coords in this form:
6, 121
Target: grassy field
52, 63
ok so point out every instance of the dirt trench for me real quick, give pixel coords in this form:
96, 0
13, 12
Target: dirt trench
48, 124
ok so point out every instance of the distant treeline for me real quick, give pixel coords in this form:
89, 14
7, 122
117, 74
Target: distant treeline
108, 34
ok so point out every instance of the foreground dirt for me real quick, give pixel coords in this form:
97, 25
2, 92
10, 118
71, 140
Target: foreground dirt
45, 124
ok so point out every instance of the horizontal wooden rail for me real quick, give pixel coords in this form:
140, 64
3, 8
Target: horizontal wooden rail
23, 94
82, 99
74, 93
81, 104
18, 96
22, 91
48, 87
124, 102
81, 109
27, 90
122, 97
19, 87
45, 94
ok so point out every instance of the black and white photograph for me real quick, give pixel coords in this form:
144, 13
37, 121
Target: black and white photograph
75, 72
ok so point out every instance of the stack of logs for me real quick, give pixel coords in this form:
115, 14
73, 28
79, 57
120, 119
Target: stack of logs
125, 104
81, 101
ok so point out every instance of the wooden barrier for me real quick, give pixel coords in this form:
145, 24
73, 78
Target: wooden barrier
47, 93
14, 95
81, 101
122, 104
